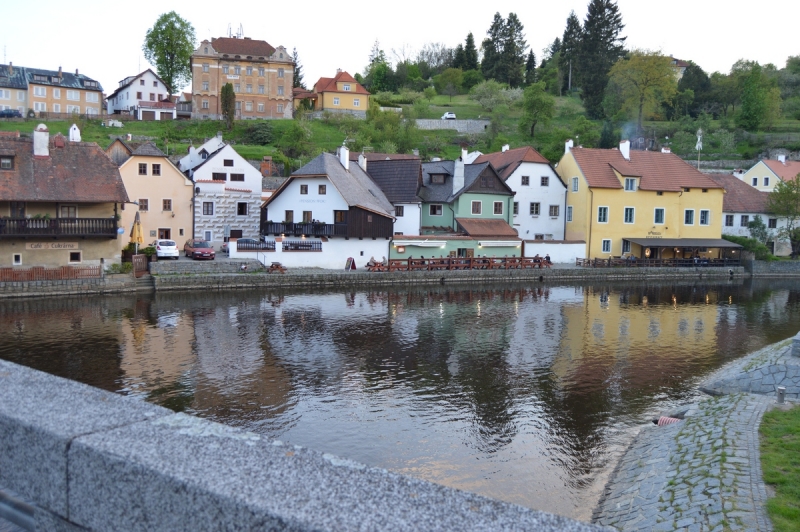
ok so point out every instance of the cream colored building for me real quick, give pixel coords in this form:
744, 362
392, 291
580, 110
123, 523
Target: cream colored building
766, 173
49, 92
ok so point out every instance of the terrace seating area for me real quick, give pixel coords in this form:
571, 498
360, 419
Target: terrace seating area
619, 262
460, 263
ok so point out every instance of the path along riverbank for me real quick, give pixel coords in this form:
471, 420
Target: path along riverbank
704, 472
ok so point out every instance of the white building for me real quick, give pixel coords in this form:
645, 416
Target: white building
540, 199
144, 96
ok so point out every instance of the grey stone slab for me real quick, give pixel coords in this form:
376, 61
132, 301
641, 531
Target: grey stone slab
40, 415
185, 473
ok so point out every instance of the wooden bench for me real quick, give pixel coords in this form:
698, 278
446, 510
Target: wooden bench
378, 267
276, 267
398, 265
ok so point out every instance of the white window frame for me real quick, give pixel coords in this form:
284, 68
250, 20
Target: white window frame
479, 203
663, 215
707, 213
40, 92
5, 94
537, 209
603, 209
74, 109
205, 66
205, 85
544, 181
729, 218
685, 213
279, 108
57, 94
248, 106
20, 96
356, 102
40, 106
605, 246
557, 209
632, 211
766, 181
433, 206
575, 184
346, 87
626, 246
281, 72
630, 184
755, 181
569, 213
502, 208
525, 181
92, 97
207, 236
56, 107
744, 220
335, 101
260, 107
74, 96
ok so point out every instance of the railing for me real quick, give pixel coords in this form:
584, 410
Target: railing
146, 104
460, 263
76, 227
256, 246
656, 263
301, 245
307, 229
38, 273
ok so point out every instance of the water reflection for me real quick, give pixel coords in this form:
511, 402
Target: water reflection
521, 393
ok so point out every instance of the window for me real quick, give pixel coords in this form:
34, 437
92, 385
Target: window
261, 89
92, 97
356, 102
728, 220
606, 245
574, 184
526, 180
336, 101
144, 205
241, 208
280, 90
307, 217
658, 218
208, 208
554, 210
74, 257
498, 207
323, 189
534, 209
659, 193
260, 107
76, 109
538, 236
629, 215
56, 107
141, 82
180, 231
156, 169
205, 85
545, 181
207, 236
237, 177
516, 208
6, 163
248, 88
219, 176
248, 106
772, 223
280, 72
755, 181
279, 108
705, 217
626, 246
261, 71
166, 205
237, 87
602, 215
399, 211
205, 104
476, 207
225, 69
745, 220
39, 106
569, 213
21, 95
303, 189
346, 87
205, 66
138, 95
152, 97
17, 259
40, 91
5, 95
435, 210
630, 184
57, 94
227, 162
688, 217
766, 181
289, 217
237, 70
142, 168
487, 182
249, 71
69, 211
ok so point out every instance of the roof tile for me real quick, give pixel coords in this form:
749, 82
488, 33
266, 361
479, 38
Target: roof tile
739, 196
786, 171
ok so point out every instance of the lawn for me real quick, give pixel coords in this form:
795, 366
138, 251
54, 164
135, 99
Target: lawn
780, 462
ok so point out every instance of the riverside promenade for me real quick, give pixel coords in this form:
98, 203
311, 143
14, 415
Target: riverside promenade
703, 473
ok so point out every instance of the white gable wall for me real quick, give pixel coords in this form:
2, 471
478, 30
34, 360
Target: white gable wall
553, 194
126, 100
409, 223
321, 206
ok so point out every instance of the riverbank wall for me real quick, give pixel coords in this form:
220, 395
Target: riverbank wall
73, 457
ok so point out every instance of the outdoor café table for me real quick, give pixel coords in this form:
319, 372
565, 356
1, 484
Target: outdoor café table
276, 267
398, 265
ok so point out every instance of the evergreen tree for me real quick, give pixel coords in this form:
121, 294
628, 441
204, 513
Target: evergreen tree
460, 58
607, 138
570, 47
470, 54
228, 101
297, 81
530, 68
754, 109
601, 46
696, 80
492, 46
513, 54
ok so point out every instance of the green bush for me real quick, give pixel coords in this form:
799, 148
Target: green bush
258, 133
760, 251
125, 267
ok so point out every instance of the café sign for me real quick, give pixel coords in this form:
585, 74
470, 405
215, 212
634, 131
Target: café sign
52, 246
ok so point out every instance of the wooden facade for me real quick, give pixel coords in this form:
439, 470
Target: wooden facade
362, 223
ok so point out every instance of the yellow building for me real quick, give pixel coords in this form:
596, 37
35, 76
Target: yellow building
642, 204
341, 93
49, 93
766, 173
164, 195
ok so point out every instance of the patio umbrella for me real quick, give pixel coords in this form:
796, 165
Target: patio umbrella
137, 235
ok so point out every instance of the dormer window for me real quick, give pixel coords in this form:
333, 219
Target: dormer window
347, 87
205, 50
37, 77
437, 179
6, 163
89, 83
630, 184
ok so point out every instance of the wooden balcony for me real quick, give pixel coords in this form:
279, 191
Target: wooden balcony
305, 229
58, 227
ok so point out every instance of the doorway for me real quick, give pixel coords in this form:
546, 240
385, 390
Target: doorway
164, 234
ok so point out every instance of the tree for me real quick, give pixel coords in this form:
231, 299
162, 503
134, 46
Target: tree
168, 46
228, 103
512, 57
646, 80
491, 47
537, 107
601, 46
470, 54
297, 81
429, 93
784, 202
755, 100
449, 82
489, 94
459, 57
696, 80
570, 46
607, 138
530, 68
470, 79
758, 230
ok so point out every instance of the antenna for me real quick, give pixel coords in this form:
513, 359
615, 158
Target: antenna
229, 30
240, 33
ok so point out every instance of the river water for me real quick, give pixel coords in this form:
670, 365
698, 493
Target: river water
526, 393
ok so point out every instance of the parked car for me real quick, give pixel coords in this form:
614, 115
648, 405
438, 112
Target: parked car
198, 249
166, 249
449, 115
10, 113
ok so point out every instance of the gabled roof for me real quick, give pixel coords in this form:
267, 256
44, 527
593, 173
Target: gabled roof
354, 185
149, 149
398, 178
127, 82
329, 84
505, 162
739, 196
13, 77
21, 76
233, 46
658, 171
77, 172
786, 171
482, 227
443, 192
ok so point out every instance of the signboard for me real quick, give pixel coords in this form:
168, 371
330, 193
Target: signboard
52, 245
351, 264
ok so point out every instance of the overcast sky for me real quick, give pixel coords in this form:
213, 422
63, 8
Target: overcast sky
104, 39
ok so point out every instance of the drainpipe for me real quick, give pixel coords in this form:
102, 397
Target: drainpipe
591, 221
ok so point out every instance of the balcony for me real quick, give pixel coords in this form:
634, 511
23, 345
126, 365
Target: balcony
305, 229
58, 227
146, 104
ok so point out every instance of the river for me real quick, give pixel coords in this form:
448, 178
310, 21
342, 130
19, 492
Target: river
526, 393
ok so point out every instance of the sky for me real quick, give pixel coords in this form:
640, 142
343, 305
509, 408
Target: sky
104, 40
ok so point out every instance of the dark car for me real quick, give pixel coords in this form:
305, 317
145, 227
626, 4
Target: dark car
10, 113
198, 249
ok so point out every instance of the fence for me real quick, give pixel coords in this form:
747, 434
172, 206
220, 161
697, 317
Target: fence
301, 245
657, 263
269, 245
39, 273
16, 227
459, 263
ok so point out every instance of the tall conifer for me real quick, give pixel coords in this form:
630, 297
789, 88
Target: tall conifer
470, 54
601, 47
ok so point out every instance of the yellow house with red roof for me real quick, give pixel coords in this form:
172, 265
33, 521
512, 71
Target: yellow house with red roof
649, 205
341, 93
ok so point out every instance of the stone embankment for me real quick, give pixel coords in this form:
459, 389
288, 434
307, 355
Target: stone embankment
704, 472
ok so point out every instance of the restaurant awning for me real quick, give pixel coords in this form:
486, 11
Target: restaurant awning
683, 242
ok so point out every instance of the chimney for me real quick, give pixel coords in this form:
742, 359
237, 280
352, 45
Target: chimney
415, 151
782, 159
266, 166
129, 137
74, 133
568, 146
362, 162
505, 147
219, 135
625, 149
76, 71
338, 70
344, 157
10, 68
41, 141
458, 175
59, 71
464, 154
666, 149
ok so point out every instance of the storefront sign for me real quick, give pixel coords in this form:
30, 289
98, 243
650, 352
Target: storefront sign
654, 234
53, 245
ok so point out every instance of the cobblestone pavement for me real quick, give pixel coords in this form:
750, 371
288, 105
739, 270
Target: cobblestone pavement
701, 474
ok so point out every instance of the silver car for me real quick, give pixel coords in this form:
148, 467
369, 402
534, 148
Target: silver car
166, 249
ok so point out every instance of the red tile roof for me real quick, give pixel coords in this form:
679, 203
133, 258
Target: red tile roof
75, 172
329, 84
739, 196
658, 171
232, 46
506, 162
486, 228
786, 171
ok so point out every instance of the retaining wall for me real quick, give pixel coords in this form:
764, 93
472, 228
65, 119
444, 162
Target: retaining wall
462, 126
782, 268
90, 459
170, 267
100, 285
